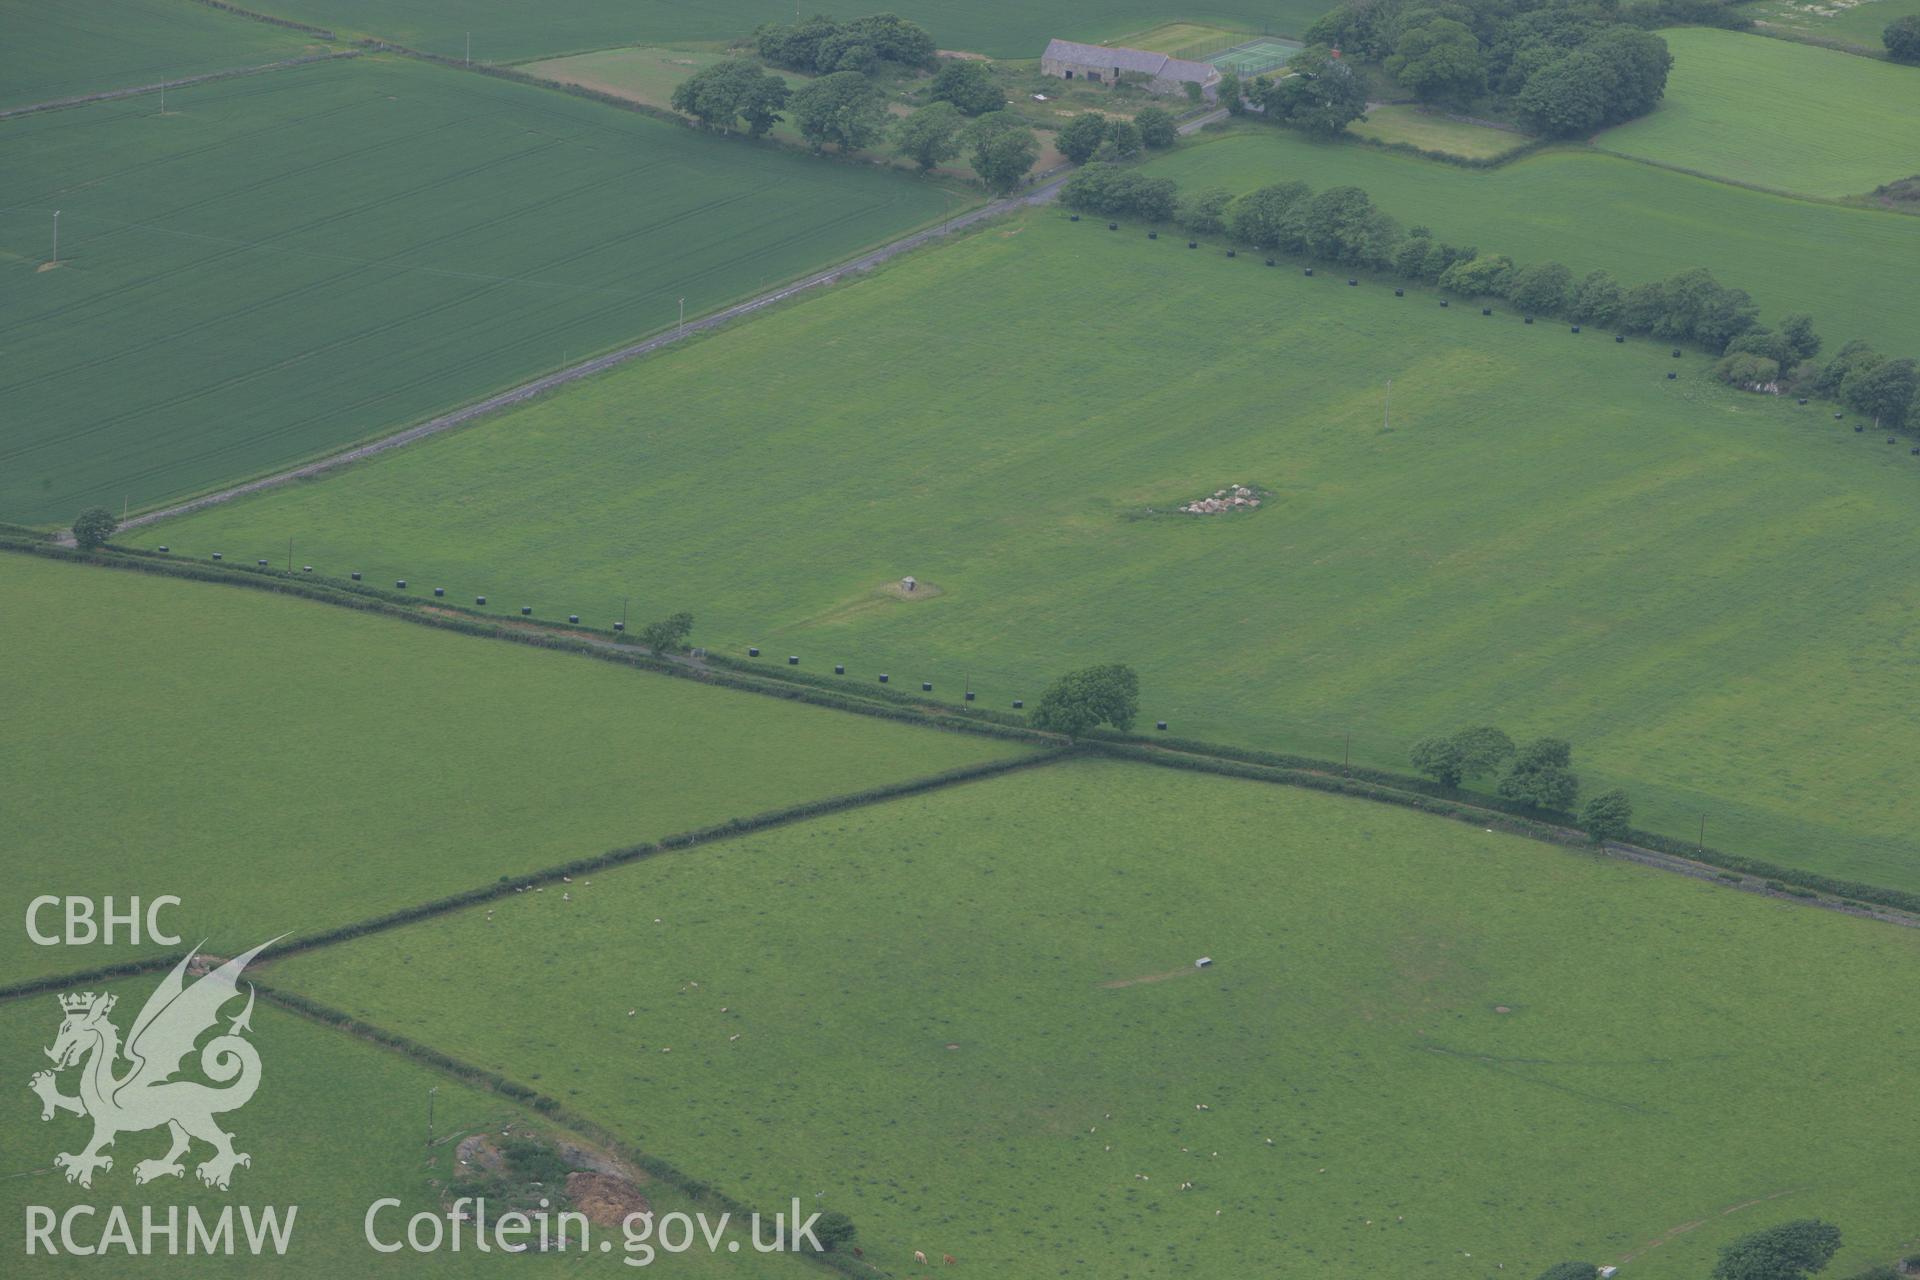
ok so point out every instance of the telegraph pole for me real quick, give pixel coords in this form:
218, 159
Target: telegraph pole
469, 48
683, 315
1386, 423
56, 237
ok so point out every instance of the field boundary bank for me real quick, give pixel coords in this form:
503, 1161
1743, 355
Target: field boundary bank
701, 1192
1761, 27
725, 672
1779, 193
1774, 882
230, 73
606, 860
268, 18
451, 618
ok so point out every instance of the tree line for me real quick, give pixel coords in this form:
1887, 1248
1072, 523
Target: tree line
1563, 68
1342, 225
1786, 1251
821, 46
845, 108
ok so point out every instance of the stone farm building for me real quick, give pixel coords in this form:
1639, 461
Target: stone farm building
1103, 65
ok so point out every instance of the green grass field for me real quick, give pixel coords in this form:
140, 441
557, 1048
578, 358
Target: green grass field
1855, 22
507, 31
1592, 211
1185, 39
1834, 124
285, 766
54, 51
291, 261
1430, 132
1696, 586
337, 1124
1419, 1042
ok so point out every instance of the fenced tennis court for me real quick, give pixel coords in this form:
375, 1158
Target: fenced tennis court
1255, 56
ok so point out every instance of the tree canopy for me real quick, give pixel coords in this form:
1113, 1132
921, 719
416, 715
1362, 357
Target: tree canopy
1902, 38
727, 92
930, 136
669, 635
843, 109
1002, 148
1081, 700
821, 46
1564, 69
1542, 775
1466, 753
1321, 94
1789, 1251
92, 527
968, 85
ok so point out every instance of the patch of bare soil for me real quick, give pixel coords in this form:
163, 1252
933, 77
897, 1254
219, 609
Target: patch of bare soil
607, 1199
1149, 977
919, 591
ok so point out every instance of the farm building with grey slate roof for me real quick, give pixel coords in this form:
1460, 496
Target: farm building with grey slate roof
1102, 65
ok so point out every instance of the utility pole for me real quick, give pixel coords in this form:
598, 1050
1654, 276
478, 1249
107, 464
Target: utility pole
430, 1092
289, 553
624, 602
1702, 848
683, 314
163, 99
56, 237
1386, 423
469, 48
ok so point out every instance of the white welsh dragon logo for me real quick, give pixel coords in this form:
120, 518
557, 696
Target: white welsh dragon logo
146, 1096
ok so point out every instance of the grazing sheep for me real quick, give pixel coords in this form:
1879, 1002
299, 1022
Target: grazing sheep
919, 1256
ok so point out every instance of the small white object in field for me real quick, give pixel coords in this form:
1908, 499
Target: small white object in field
1204, 962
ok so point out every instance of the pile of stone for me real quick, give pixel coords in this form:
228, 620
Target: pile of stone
1235, 497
